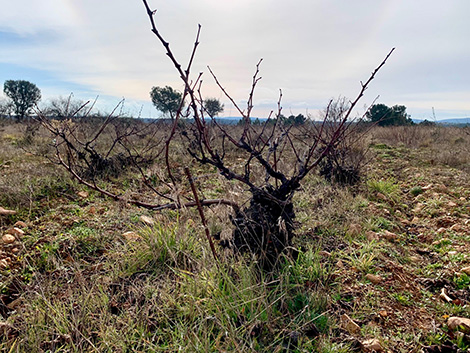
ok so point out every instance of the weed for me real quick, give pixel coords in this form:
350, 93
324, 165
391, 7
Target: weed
416, 190
163, 247
379, 223
404, 298
462, 281
364, 258
380, 146
386, 187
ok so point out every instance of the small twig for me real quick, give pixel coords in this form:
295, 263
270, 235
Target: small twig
253, 86
201, 213
242, 113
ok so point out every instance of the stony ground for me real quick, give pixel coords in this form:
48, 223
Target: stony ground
389, 258
419, 280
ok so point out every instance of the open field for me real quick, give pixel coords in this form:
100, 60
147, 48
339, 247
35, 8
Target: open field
381, 265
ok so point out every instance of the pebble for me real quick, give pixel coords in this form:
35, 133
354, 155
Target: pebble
349, 325
462, 323
389, 236
372, 345
381, 196
374, 278
147, 220
8, 239
6, 212
83, 194
405, 222
3, 263
466, 270
371, 235
131, 236
383, 313
15, 231
442, 188
20, 224
354, 229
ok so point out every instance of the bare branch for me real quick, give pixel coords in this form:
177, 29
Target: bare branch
201, 213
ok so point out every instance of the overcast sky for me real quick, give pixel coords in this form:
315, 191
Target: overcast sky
313, 50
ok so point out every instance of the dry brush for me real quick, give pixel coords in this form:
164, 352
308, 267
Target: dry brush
270, 161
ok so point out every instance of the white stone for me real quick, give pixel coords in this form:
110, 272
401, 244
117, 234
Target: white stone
131, 236
3, 263
147, 220
83, 194
461, 323
372, 345
466, 270
15, 231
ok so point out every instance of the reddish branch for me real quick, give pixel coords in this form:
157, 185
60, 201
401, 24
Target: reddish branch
150, 206
201, 212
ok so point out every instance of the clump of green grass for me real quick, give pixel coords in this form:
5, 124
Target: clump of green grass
380, 146
364, 258
164, 303
416, 190
404, 298
462, 281
379, 223
162, 247
386, 187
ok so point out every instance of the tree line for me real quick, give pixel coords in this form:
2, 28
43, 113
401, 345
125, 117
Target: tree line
23, 96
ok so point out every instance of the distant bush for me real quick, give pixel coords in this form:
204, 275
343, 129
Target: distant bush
383, 115
427, 123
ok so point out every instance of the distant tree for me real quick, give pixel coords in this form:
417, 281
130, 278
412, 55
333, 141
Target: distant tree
23, 94
299, 119
6, 107
426, 122
213, 106
166, 99
293, 120
378, 113
383, 115
64, 107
